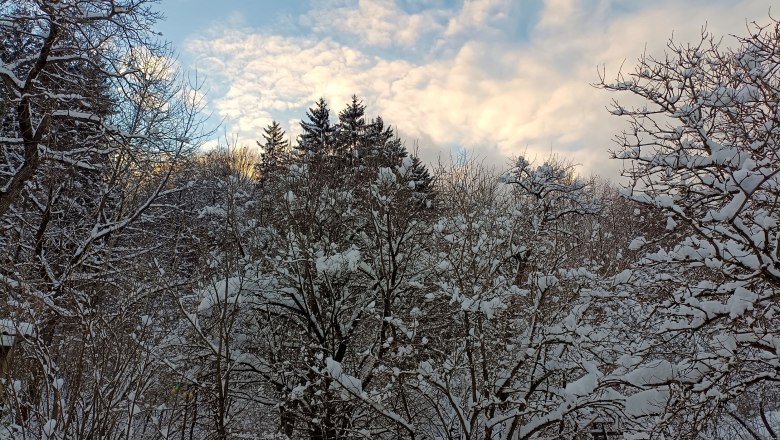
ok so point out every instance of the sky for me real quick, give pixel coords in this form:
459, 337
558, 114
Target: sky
491, 79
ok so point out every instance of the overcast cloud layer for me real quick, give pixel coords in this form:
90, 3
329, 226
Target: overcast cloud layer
495, 77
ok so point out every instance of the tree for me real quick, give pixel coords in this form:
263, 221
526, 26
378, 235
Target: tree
380, 146
95, 122
352, 144
275, 149
420, 177
351, 129
317, 131
703, 151
509, 341
338, 273
209, 360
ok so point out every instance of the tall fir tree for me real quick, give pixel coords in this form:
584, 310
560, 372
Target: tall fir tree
382, 148
356, 147
420, 181
317, 131
351, 129
275, 149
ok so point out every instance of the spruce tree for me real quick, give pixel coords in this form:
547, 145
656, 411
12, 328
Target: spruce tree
275, 148
317, 131
382, 148
351, 129
420, 181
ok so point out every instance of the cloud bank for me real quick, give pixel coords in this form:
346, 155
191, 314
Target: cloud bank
496, 77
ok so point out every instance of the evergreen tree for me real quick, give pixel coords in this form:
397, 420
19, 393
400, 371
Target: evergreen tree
351, 129
274, 147
357, 148
317, 132
420, 180
382, 147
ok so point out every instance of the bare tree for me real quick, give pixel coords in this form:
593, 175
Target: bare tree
703, 151
509, 345
95, 119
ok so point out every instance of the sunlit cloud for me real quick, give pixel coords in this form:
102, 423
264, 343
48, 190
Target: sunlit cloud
373, 22
495, 94
477, 15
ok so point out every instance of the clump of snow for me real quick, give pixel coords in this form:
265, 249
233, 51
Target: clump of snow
386, 175
49, 427
647, 402
212, 211
350, 384
227, 291
544, 282
338, 263
637, 243
487, 306
741, 301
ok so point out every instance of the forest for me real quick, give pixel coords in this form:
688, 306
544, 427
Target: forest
334, 286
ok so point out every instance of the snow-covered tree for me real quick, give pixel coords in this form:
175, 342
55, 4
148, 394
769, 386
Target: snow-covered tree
703, 151
317, 133
209, 357
338, 273
350, 132
381, 146
509, 345
275, 151
95, 121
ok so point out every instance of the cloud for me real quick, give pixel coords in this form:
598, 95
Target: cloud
275, 77
477, 14
501, 96
373, 22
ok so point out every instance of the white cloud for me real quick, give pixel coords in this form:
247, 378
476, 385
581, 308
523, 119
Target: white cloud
476, 14
557, 13
374, 22
497, 96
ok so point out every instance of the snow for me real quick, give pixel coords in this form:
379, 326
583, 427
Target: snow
582, 386
221, 293
444, 265
351, 384
489, 307
49, 427
212, 211
658, 371
386, 175
647, 402
637, 243
76, 114
10, 329
741, 301
338, 263
544, 282
624, 276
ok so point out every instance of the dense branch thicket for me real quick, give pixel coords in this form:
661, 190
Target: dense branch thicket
703, 151
333, 286
95, 124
